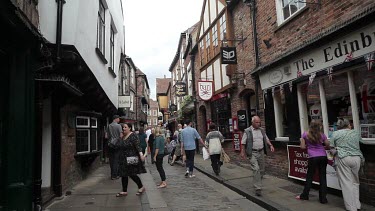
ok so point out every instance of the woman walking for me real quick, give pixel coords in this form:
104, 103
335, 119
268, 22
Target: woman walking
130, 161
151, 139
142, 139
159, 155
350, 158
214, 139
313, 140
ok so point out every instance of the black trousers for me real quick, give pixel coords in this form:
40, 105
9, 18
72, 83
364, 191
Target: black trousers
152, 154
215, 162
125, 181
190, 154
159, 166
319, 163
113, 161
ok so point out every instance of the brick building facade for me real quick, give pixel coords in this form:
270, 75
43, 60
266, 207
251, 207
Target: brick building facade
286, 39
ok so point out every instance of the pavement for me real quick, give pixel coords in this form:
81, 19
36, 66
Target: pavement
97, 193
277, 193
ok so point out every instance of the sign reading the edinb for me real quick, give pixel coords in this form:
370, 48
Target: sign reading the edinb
228, 55
205, 90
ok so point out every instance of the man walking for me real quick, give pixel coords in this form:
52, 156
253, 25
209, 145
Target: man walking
188, 136
255, 142
114, 135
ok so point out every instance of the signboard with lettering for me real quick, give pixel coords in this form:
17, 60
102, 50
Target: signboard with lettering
205, 90
180, 89
298, 162
124, 101
354, 45
237, 141
242, 119
228, 55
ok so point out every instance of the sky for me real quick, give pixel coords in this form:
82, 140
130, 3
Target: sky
152, 32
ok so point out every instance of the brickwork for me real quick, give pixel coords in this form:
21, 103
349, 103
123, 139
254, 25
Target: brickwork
71, 169
305, 26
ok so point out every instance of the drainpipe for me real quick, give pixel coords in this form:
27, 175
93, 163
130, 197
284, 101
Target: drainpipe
59, 29
194, 91
253, 11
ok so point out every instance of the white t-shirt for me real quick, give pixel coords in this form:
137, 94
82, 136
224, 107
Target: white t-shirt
148, 133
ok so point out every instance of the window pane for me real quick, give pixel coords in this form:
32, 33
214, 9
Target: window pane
364, 82
286, 12
313, 99
82, 143
94, 123
93, 140
338, 99
82, 121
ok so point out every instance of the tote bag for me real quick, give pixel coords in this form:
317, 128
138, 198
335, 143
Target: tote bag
214, 146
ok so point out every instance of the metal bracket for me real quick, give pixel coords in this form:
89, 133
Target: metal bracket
240, 40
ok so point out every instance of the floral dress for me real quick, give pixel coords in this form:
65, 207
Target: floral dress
128, 148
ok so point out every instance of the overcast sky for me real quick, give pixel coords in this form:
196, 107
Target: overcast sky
152, 32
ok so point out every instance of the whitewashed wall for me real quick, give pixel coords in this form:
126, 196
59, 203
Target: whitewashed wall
80, 29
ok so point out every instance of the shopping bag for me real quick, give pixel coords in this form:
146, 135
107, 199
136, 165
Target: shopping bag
224, 157
206, 156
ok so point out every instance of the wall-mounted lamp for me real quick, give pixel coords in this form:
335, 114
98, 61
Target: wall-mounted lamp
267, 43
238, 79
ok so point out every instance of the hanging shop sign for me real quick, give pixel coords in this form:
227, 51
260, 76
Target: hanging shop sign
205, 90
298, 161
242, 119
180, 89
357, 44
124, 101
228, 55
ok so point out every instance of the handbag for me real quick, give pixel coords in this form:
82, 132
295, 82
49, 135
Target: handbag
133, 160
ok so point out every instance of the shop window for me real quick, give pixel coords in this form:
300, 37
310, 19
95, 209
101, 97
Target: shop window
313, 100
364, 83
338, 100
86, 134
281, 114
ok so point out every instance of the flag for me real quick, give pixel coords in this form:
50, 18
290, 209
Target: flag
299, 73
273, 91
311, 78
329, 73
281, 89
369, 58
349, 57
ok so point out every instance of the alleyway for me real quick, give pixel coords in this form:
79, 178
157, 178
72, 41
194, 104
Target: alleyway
97, 193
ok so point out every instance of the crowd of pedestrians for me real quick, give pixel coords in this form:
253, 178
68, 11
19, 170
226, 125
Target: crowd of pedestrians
127, 152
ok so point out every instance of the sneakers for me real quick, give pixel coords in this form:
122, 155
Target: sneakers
258, 192
191, 175
187, 174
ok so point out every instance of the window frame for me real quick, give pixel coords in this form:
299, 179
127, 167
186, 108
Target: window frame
280, 10
112, 49
90, 129
100, 43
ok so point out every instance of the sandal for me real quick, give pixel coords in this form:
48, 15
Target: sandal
162, 185
121, 194
141, 191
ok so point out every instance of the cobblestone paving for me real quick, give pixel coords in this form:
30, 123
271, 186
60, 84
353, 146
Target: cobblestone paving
199, 193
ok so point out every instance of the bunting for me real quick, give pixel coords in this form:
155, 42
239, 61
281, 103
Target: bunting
281, 89
311, 78
369, 58
299, 73
349, 57
273, 91
329, 73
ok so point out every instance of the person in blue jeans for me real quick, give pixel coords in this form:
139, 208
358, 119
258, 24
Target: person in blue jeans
188, 136
314, 140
